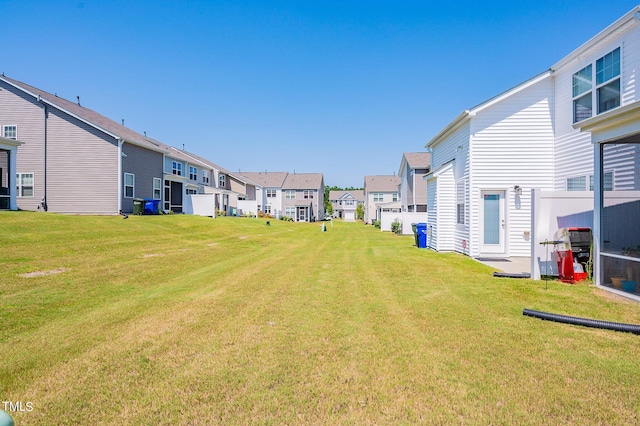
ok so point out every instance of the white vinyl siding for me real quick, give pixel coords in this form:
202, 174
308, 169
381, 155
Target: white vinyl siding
511, 144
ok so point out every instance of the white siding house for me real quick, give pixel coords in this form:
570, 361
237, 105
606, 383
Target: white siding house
498, 151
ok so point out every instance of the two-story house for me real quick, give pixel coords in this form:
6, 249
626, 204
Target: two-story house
303, 196
380, 192
345, 203
413, 188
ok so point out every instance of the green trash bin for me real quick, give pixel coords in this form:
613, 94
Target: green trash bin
414, 226
138, 206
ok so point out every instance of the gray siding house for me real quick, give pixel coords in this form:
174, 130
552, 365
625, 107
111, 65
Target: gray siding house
380, 191
75, 160
414, 166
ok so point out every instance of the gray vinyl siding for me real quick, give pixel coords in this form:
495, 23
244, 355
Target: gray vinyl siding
145, 165
82, 167
23, 111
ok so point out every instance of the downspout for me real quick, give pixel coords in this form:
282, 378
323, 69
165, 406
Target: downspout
120, 142
43, 202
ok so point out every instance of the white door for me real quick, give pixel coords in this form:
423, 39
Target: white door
492, 222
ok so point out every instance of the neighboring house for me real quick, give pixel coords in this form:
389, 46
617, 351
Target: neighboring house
345, 203
268, 190
380, 190
575, 127
307, 202
485, 163
8, 187
75, 160
299, 196
413, 188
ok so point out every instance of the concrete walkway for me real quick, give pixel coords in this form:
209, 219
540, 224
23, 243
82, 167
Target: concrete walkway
511, 265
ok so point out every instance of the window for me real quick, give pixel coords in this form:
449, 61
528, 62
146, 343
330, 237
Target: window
306, 194
205, 176
176, 168
267, 209
577, 183
290, 212
10, 132
460, 199
607, 87
157, 188
129, 182
582, 99
191, 191
193, 173
290, 194
608, 81
24, 184
222, 181
271, 193
394, 197
348, 202
378, 197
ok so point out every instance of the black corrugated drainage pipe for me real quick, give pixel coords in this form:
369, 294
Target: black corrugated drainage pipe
629, 328
507, 275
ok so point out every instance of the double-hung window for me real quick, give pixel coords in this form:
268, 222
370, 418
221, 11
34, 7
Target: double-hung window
394, 197
290, 194
24, 184
271, 193
607, 87
378, 197
306, 194
205, 176
129, 183
290, 212
10, 132
176, 168
157, 188
222, 181
193, 173
460, 202
608, 81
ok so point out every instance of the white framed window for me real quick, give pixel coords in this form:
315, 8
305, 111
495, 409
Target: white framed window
205, 176
579, 183
191, 191
348, 202
25, 184
271, 193
176, 168
157, 188
394, 197
607, 87
290, 212
129, 183
307, 194
290, 194
222, 181
378, 197
608, 81
267, 209
10, 131
193, 173
460, 202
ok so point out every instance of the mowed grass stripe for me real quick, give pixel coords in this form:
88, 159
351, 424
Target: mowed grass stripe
233, 322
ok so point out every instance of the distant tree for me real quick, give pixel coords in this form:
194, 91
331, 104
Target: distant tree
360, 212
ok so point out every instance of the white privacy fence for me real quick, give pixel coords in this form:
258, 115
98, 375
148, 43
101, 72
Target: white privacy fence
406, 218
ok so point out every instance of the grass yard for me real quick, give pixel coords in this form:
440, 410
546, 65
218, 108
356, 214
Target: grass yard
189, 320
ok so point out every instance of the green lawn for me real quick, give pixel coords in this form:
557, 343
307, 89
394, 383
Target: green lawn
189, 320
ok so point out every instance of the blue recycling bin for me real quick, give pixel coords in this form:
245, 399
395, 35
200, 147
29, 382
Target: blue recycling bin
421, 229
151, 206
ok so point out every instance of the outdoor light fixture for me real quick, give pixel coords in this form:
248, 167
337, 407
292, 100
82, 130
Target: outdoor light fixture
517, 190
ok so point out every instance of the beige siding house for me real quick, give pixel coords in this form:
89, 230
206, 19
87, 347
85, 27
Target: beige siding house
380, 192
414, 166
73, 159
345, 203
307, 202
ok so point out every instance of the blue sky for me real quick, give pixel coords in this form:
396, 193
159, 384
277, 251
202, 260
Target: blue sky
337, 87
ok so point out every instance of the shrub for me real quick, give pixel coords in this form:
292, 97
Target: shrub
396, 227
376, 223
